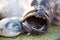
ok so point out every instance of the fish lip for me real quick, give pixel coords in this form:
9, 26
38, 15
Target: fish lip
33, 13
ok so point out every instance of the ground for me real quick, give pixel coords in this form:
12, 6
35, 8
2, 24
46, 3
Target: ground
52, 34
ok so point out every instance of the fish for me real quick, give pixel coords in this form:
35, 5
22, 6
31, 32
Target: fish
10, 27
40, 18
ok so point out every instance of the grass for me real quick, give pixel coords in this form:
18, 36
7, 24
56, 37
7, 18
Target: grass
52, 34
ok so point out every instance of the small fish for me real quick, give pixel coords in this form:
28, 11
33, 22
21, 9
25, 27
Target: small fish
10, 27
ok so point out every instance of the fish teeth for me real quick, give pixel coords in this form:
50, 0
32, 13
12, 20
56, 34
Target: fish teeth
40, 16
37, 15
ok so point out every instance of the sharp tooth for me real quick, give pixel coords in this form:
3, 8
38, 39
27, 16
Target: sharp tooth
41, 28
34, 28
37, 16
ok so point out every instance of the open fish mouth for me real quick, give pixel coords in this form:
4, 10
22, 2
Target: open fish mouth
35, 22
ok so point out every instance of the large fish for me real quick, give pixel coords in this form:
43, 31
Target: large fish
38, 20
